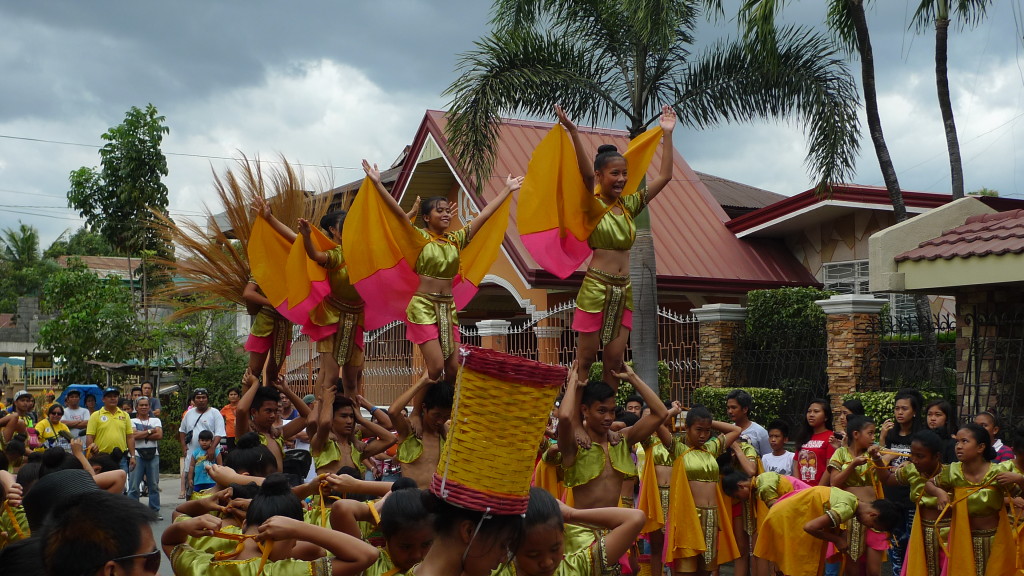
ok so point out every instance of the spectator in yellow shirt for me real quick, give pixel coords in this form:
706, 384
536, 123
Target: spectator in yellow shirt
111, 428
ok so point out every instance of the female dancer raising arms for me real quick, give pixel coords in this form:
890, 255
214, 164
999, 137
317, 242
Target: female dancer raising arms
604, 305
431, 319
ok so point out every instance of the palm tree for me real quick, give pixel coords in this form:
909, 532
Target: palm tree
970, 12
848, 22
604, 61
21, 246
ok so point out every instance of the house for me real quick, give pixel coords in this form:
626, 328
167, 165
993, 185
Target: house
972, 249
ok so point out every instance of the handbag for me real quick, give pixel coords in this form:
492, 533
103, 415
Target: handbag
147, 453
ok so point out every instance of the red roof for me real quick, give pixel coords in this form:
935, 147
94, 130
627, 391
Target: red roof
694, 249
844, 194
1000, 233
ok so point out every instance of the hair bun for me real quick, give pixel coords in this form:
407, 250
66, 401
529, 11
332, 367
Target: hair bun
605, 148
275, 485
247, 441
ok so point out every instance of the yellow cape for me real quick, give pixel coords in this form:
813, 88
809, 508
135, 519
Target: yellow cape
545, 477
684, 537
301, 270
782, 540
1002, 561
268, 255
375, 238
553, 194
650, 496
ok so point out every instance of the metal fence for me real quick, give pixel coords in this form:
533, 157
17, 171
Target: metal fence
995, 366
793, 361
902, 356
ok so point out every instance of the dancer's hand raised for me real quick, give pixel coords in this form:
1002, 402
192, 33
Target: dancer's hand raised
372, 171
668, 119
304, 227
563, 119
513, 183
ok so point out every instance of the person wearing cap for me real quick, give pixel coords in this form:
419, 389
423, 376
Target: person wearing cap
228, 412
201, 417
76, 417
110, 428
21, 419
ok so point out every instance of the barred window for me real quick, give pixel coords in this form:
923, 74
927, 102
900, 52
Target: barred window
852, 278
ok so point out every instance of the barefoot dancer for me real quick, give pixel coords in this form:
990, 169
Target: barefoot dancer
596, 205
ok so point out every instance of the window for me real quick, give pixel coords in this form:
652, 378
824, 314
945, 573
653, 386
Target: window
852, 278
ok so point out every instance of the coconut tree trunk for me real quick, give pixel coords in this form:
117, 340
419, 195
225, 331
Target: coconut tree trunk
921, 303
867, 67
644, 276
956, 167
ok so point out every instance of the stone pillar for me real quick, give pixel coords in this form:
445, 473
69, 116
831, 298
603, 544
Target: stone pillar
849, 317
549, 343
494, 334
720, 324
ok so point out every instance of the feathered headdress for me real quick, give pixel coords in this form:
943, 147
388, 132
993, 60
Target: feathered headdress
211, 269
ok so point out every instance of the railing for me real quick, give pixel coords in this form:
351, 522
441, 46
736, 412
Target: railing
995, 366
902, 356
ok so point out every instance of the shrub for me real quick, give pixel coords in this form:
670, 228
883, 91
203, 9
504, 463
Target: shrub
785, 318
767, 402
626, 389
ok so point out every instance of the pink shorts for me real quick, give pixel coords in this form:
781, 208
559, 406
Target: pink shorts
592, 321
262, 344
420, 333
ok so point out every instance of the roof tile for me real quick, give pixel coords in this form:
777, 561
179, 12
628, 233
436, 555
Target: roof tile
981, 235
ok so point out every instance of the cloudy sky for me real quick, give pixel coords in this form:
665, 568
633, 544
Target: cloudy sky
328, 83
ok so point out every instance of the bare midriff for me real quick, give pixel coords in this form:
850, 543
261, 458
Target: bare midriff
664, 474
610, 261
421, 470
705, 494
431, 285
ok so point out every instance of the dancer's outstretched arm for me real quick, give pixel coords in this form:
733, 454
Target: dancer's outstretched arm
668, 154
281, 228
374, 174
586, 164
511, 185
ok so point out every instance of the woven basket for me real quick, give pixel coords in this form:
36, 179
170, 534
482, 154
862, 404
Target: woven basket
502, 404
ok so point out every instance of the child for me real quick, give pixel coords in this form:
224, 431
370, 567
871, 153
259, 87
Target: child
780, 460
200, 479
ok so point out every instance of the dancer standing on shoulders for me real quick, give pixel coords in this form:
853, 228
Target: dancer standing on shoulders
430, 318
591, 212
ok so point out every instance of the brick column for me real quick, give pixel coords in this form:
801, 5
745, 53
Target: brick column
720, 325
549, 343
494, 334
849, 317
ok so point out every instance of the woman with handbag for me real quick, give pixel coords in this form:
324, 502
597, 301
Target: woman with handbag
148, 432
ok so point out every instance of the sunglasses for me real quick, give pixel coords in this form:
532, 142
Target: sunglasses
151, 564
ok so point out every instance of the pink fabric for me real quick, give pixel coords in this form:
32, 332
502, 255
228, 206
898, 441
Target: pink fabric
420, 333
298, 313
591, 321
872, 539
798, 485
558, 255
463, 291
387, 294
317, 333
262, 344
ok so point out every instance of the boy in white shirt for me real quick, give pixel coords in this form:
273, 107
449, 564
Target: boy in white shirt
780, 460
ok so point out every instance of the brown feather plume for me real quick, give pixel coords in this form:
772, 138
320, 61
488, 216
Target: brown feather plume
211, 269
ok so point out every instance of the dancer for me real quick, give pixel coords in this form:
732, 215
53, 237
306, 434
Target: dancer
604, 314
422, 435
270, 334
700, 537
274, 535
795, 532
258, 410
896, 433
440, 257
655, 481
925, 554
543, 549
335, 321
334, 444
596, 472
851, 471
980, 539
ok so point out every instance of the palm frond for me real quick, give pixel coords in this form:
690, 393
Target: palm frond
810, 84
968, 13
522, 72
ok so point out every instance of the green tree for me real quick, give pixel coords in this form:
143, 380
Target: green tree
94, 320
21, 247
603, 61
984, 192
937, 12
82, 242
116, 199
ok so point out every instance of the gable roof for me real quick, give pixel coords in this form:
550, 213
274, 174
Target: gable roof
694, 249
981, 235
735, 197
797, 212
